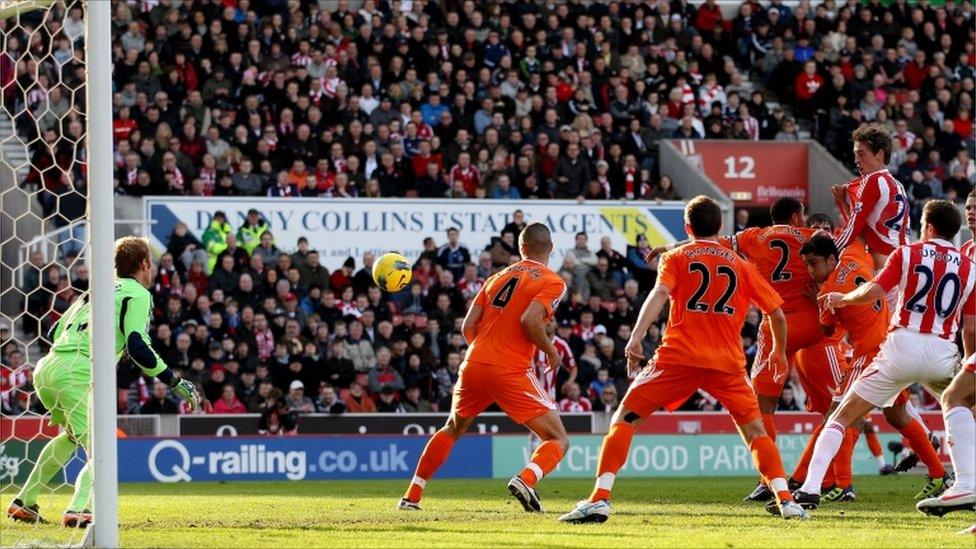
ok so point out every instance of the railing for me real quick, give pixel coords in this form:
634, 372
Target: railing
49, 242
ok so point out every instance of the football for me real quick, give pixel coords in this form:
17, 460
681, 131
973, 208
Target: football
392, 272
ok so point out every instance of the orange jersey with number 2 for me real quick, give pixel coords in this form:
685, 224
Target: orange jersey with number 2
775, 251
711, 288
504, 298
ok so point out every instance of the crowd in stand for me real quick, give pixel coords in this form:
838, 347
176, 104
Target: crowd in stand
257, 328
401, 98
497, 99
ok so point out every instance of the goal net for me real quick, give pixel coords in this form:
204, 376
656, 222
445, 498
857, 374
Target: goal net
45, 263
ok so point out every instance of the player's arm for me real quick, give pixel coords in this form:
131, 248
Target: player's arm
666, 248
878, 288
534, 326
469, 326
968, 314
649, 313
134, 317
771, 304
859, 216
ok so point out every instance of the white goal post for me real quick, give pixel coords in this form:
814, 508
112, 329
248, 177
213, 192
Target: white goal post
101, 238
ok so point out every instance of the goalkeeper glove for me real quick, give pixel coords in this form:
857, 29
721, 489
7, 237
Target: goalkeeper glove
187, 391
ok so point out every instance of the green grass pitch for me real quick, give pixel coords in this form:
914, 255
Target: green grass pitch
695, 512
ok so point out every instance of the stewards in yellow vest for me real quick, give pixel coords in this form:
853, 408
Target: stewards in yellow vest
249, 235
215, 238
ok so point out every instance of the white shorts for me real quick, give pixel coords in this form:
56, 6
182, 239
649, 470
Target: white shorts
907, 358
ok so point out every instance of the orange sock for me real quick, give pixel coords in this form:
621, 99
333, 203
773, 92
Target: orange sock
770, 425
919, 441
435, 453
544, 459
765, 455
842, 461
873, 444
800, 471
613, 455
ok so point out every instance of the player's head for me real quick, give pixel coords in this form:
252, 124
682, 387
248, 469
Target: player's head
134, 260
703, 217
940, 219
971, 211
820, 255
872, 148
787, 211
821, 222
535, 242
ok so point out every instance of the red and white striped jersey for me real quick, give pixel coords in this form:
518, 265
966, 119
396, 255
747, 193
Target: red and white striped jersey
546, 376
968, 249
935, 282
879, 213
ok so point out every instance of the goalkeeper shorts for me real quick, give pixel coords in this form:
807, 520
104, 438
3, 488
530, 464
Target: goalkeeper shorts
63, 383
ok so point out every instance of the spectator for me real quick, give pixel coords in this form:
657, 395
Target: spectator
358, 349
609, 401
160, 402
277, 419
387, 402
787, 401
601, 281
574, 401
383, 376
413, 403
296, 399
453, 256
571, 174
328, 402
228, 403
358, 402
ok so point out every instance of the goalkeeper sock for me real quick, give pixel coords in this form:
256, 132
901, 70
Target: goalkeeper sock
770, 425
81, 500
56, 453
824, 451
544, 459
922, 446
843, 474
800, 471
613, 455
766, 457
435, 453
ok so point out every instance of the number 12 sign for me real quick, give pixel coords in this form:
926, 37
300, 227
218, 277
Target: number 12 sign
752, 173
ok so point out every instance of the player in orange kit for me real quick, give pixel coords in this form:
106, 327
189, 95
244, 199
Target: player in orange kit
505, 324
867, 326
710, 289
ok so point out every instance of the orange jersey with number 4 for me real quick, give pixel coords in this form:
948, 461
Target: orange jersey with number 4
867, 324
505, 296
711, 288
775, 251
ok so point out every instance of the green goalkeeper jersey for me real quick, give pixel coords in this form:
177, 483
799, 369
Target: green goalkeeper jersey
133, 309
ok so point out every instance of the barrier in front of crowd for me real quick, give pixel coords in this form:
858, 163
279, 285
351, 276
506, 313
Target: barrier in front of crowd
671, 445
351, 227
361, 424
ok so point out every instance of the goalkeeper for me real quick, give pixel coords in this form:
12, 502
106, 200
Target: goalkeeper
62, 379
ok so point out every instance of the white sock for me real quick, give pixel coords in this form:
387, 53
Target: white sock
961, 438
605, 481
824, 450
881, 460
913, 412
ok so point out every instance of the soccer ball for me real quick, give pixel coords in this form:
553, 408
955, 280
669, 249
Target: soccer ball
392, 272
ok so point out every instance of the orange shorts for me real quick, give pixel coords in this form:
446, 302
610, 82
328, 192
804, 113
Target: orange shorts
658, 386
802, 330
517, 393
821, 369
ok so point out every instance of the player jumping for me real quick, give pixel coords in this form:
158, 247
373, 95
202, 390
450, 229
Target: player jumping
63, 379
934, 282
504, 325
701, 349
